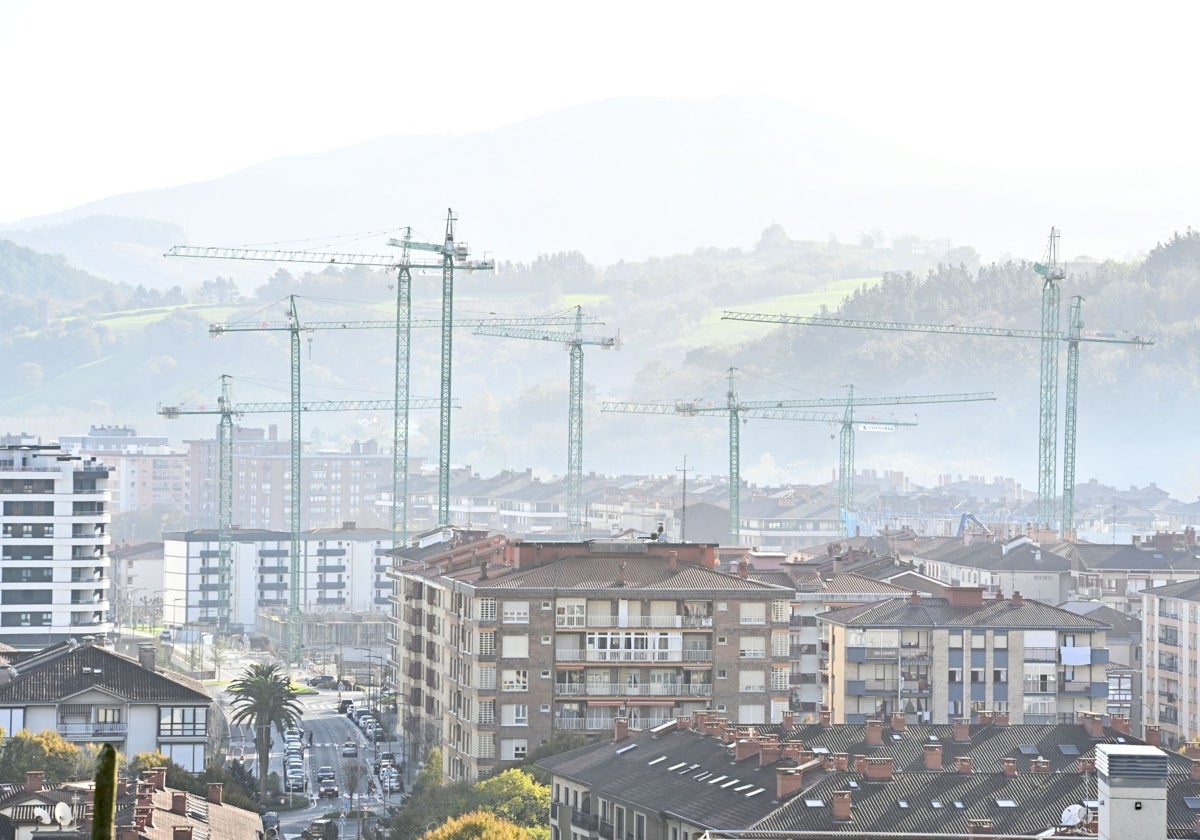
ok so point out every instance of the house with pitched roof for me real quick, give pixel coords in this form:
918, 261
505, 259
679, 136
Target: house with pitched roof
89, 693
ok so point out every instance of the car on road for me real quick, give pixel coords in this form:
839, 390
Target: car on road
325, 772
296, 782
390, 781
322, 681
328, 788
386, 759
322, 828
350, 749
345, 706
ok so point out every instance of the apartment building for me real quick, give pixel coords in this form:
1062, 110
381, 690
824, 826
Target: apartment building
146, 474
54, 562
1117, 574
938, 659
341, 570
1014, 565
503, 643
1171, 637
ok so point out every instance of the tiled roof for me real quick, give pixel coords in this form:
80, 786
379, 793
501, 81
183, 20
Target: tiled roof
1123, 625
62, 671
626, 571
1122, 557
1025, 557
1188, 590
858, 584
937, 612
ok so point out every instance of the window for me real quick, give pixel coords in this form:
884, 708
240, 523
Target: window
754, 613
513, 749
751, 680
182, 721
955, 641
514, 646
752, 647
569, 614
1000, 641
999, 675
977, 640
956, 675
487, 643
487, 609
516, 612
977, 675
514, 714
487, 711
781, 611
515, 680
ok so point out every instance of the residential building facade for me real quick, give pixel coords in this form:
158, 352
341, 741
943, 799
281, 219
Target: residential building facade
1117, 574
54, 563
146, 474
504, 643
939, 659
1171, 641
996, 565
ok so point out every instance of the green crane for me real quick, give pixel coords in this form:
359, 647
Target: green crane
575, 342
791, 410
1048, 406
227, 410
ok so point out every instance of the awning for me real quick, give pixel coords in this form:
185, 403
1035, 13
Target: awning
667, 703
561, 667
606, 702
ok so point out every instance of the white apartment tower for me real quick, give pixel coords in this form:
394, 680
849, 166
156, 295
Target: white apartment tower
54, 564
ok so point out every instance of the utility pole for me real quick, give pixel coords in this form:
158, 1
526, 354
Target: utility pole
685, 469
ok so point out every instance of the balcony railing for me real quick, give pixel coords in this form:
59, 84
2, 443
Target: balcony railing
587, 822
573, 655
1040, 654
92, 730
652, 622
640, 690
583, 724
1041, 686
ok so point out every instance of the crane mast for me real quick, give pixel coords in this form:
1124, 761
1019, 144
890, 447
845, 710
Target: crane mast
1051, 273
575, 342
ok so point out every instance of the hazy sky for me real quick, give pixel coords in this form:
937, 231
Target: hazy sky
109, 97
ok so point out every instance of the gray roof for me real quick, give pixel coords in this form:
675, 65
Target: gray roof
1123, 625
1187, 590
590, 573
64, 671
1094, 557
937, 612
999, 556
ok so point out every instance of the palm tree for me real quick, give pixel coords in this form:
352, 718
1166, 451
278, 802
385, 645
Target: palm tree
263, 697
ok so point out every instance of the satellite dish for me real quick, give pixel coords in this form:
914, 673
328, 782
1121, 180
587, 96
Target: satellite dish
62, 814
42, 816
1073, 815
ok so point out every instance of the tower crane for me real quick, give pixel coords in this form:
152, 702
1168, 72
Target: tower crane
791, 410
1048, 380
575, 342
453, 255
227, 410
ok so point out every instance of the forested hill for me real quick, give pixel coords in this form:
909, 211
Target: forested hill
83, 351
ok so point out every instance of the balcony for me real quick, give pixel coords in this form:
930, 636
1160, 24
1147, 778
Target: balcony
587, 822
588, 724
650, 622
1041, 686
640, 690
606, 830
575, 655
1169, 664
88, 731
1169, 639
863, 687
1037, 654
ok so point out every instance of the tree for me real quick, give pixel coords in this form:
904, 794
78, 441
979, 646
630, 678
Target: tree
515, 796
263, 697
431, 774
477, 825
177, 777
46, 751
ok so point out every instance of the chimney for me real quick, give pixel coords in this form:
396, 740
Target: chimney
979, 828
1010, 767
1017, 600
683, 722
914, 598
729, 733
962, 765
1153, 736
620, 729
33, 780
963, 596
788, 781
1087, 766
961, 730
745, 748
182, 832
933, 757
879, 769
841, 762
215, 790
1039, 765
985, 718
673, 561
860, 764
1000, 719
743, 568
127, 832
1195, 770
179, 802
874, 733
160, 777
825, 719
788, 723
1093, 725
1121, 724
770, 753
841, 806
147, 656
898, 722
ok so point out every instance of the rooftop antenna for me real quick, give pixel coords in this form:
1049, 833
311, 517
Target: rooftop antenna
685, 469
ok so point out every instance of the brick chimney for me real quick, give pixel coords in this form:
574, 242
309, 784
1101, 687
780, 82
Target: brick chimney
914, 598
33, 780
1195, 770
961, 729
179, 802
126, 832
841, 806
826, 718
1087, 766
898, 722
743, 569
683, 723
620, 728
788, 781
788, 721
874, 733
841, 762
933, 757
771, 751
182, 832
980, 828
1121, 724
1039, 765
215, 790
962, 765
963, 596
1093, 725
1010, 766
730, 733
147, 656
860, 764
1017, 600
1000, 719
879, 769
746, 748
158, 778
985, 717
1153, 736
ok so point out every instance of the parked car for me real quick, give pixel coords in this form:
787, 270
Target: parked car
350, 749
296, 783
386, 759
345, 707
